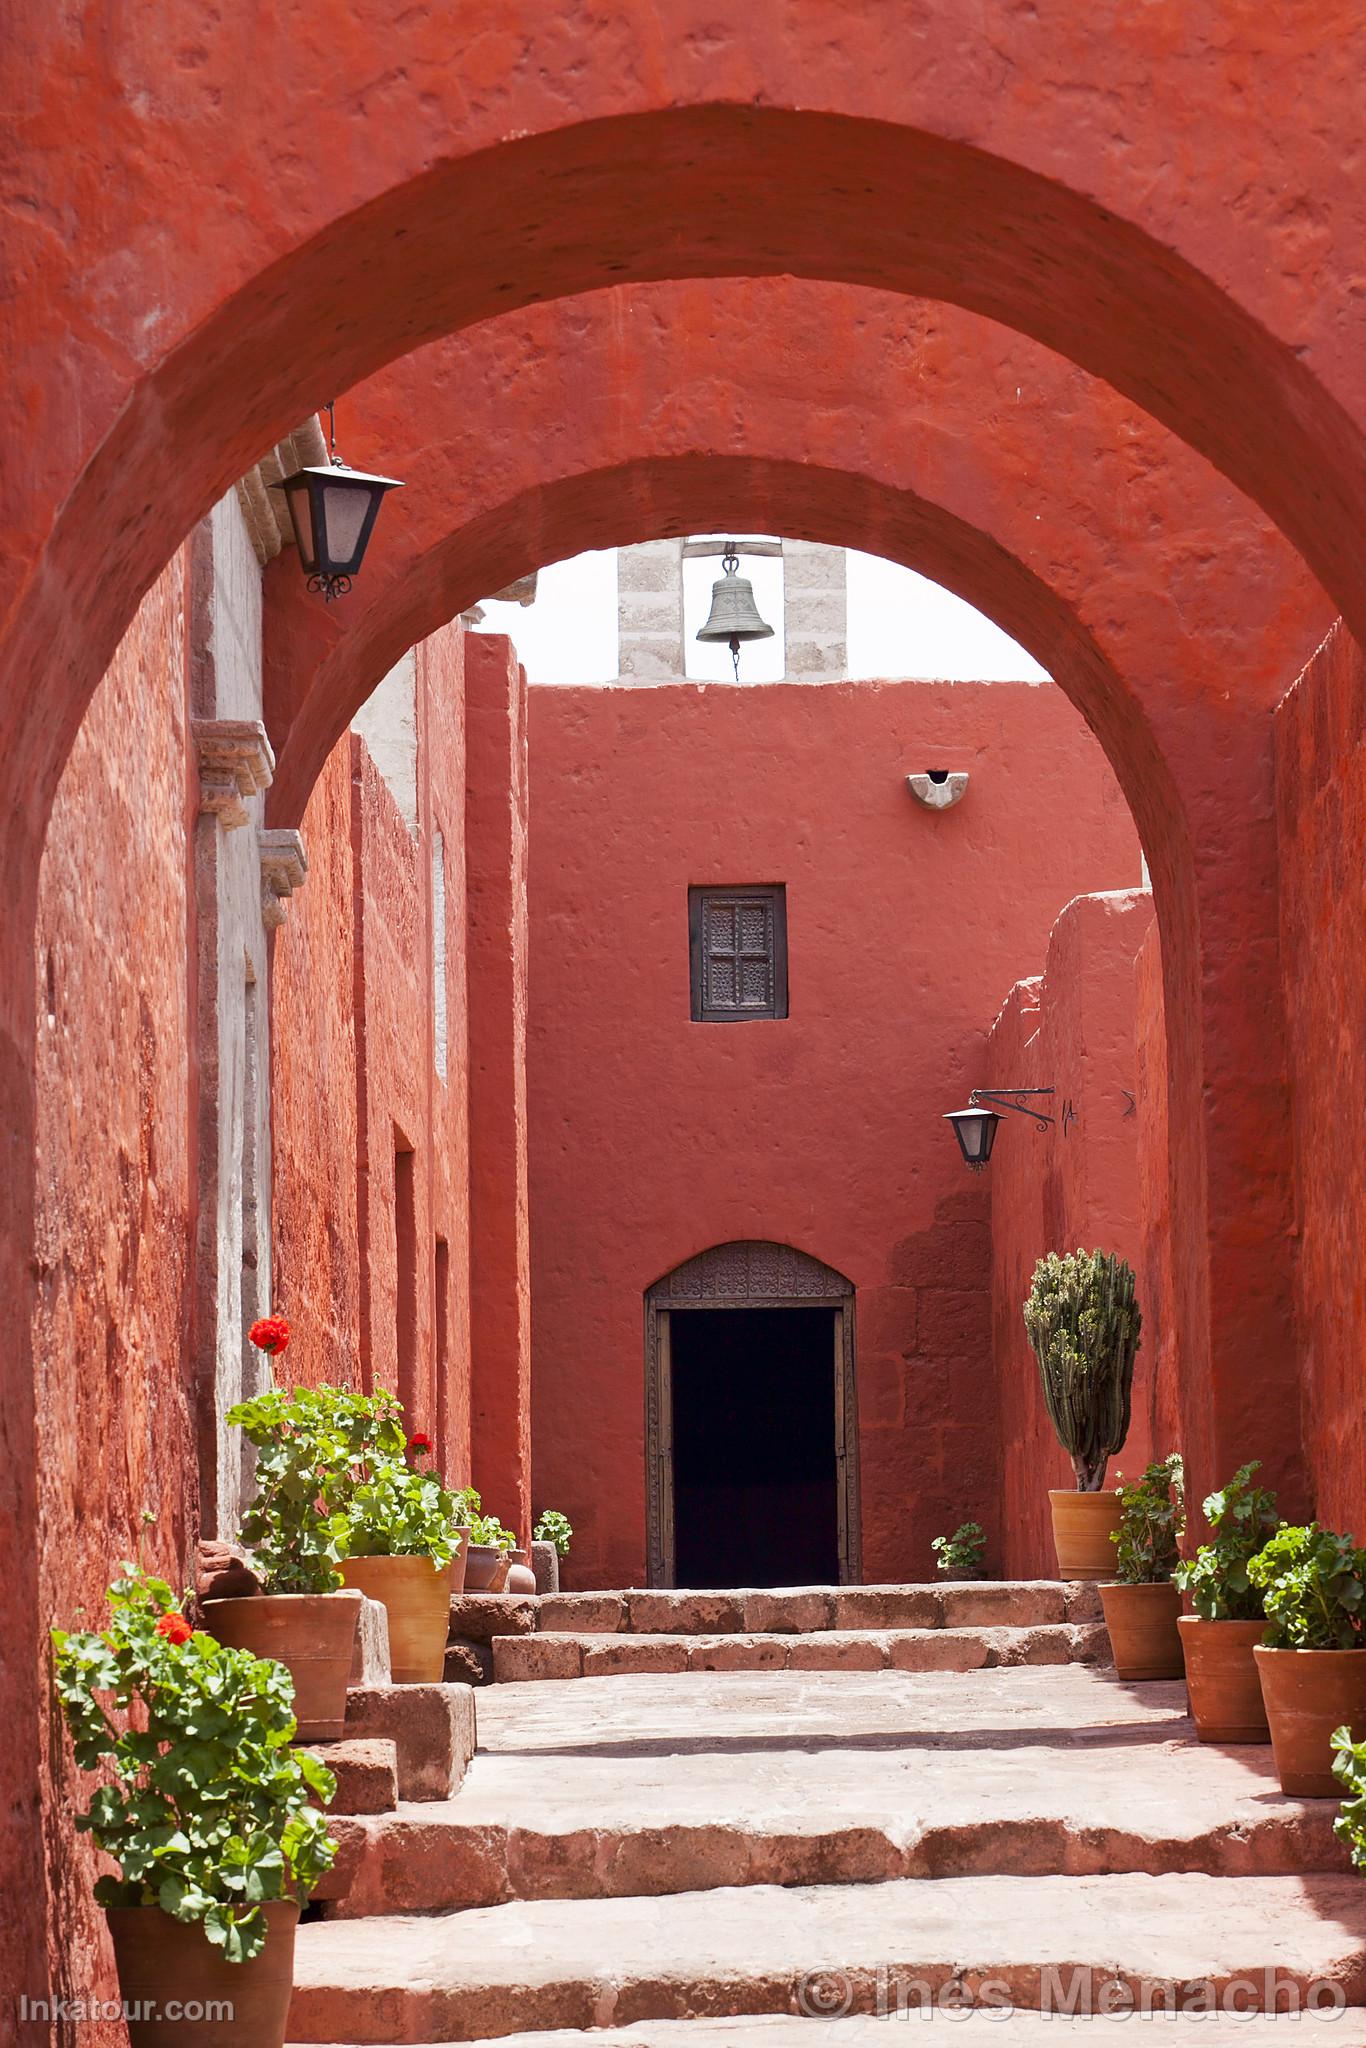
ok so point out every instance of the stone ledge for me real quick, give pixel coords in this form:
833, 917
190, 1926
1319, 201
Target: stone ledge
284, 867
236, 761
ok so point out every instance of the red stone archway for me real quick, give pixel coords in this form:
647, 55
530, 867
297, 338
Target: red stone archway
161, 337
1162, 603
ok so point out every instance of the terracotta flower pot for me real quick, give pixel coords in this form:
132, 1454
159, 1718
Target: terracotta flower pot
1222, 1685
520, 1577
484, 1564
314, 1634
164, 1963
1143, 1632
416, 1596
458, 1561
1309, 1693
1082, 1526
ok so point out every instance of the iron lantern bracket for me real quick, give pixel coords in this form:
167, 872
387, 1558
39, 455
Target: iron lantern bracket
1005, 1099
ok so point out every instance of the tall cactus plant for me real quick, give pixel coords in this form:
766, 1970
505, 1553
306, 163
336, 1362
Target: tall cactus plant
1083, 1324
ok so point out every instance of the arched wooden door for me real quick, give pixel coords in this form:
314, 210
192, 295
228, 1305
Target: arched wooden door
746, 1275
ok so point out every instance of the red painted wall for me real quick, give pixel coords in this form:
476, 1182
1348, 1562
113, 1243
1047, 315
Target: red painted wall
115, 1436
1321, 804
653, 1137
1060, 1188
354, 1067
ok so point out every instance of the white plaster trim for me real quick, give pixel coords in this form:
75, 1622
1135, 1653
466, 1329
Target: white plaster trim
938, 796
284, 865
235, 761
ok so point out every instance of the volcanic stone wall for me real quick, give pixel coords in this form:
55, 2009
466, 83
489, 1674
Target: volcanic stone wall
1077, 1183
1321, 804
116, 1461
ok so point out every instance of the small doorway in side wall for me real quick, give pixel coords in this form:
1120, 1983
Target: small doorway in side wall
751, 1421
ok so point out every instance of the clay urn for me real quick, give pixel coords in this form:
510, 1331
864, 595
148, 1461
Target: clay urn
1222, 1685
520, 1577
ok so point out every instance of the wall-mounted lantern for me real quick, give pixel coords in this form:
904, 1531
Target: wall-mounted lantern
975, 1127
333, 510
939, 789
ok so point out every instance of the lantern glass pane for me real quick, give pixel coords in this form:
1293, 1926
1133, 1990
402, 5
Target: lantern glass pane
300, 502
344, 510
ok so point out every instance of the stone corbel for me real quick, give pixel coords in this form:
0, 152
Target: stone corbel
284, 865
938, 791
235, 762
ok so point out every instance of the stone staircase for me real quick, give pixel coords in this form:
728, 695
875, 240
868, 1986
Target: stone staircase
517, 1639
708, 1857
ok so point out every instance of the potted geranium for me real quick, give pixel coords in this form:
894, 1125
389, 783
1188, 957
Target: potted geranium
298, 1533
402, 1538
1083, 1325
1141, 1603
1218, 1640
211, 1815
962, 1555
490, 1547
1310, 1661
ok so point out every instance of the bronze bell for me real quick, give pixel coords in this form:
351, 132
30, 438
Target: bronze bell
734, 614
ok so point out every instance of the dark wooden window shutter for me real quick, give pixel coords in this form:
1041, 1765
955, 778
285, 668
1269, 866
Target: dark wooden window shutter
738, 942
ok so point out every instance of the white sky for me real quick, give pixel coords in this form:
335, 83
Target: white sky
899, 625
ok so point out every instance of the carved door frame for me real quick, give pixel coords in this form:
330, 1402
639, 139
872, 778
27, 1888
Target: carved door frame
750, 1273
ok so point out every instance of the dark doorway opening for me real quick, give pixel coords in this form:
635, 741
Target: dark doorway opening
755, 1473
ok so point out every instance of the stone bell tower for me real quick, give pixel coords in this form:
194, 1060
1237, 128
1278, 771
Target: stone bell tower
651, 643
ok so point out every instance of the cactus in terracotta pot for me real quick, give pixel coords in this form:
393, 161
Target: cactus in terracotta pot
1083, 1325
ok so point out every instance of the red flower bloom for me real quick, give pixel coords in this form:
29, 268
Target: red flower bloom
420, 1442
270, 1334
175, 1628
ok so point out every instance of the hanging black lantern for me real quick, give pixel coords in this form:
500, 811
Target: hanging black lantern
975, 1127
333, 510
734, 615
975, 1130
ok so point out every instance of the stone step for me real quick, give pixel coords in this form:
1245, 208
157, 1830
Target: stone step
789, 1610
430, 1726
366, 1773
995, 2029
642, 1787
522, 1659
1033, 1942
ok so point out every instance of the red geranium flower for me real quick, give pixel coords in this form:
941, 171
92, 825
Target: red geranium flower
270, 1334
420, 1442
175, 1628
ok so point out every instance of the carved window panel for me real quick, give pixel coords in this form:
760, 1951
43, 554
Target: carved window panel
738, 949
